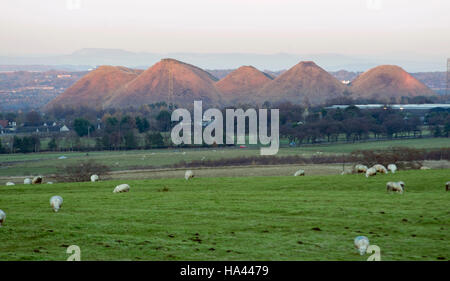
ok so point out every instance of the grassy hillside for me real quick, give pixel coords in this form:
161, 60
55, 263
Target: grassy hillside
272, 218
48, 163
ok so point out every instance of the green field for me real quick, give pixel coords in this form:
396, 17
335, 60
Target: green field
48, 163
253, 218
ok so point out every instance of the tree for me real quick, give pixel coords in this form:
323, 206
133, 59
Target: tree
26, 144
111, 137
130, 140
154, 140
164, 119
2, 150
127, 124
437, 132
394, 125
142, 124
52, 145
111, 124
447, 128
82, 127
33, 118
81, 171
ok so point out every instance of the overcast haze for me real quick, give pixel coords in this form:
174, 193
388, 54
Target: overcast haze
409, 29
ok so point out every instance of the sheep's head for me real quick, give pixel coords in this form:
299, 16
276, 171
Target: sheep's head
2, 217
362, 249
55, 207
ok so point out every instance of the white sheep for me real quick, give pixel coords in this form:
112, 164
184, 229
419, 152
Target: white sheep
56, 203
392, 168
360, 168
362, 243
37, 180
425, 168
380, 169
27, 181
346, 172
188, 175
121, 188
94, 178
2, 218
299, 173
10, 183
395, 186
50, 182
447, 186
371, 172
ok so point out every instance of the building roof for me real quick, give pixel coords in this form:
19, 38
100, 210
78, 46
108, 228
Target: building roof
4, 123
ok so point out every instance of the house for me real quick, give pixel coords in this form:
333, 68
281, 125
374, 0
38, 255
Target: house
64, 129
3, 124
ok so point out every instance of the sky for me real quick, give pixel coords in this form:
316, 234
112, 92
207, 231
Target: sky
349, 27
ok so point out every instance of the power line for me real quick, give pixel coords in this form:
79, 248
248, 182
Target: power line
170, 84
447, 90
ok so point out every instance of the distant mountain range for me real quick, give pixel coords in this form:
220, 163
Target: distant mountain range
173, 81
90, 58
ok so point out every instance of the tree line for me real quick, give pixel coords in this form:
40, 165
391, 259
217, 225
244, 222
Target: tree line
149, 126
300, 125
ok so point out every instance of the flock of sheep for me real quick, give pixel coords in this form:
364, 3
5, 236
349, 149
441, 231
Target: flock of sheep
57, 201
398, 187
360, 242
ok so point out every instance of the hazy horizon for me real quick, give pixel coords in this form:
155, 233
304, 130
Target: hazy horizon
350, 27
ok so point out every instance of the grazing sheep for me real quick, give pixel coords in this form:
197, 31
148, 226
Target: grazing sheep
392, 168
380, 169
346, 172
10, 183
447, 186
188, 175
50, 182
371, 172
425, 168
27, 181
360, 169
56, 203
395, 186
94, 178
402, 184
121, 188
299, 173
2, 218
37, 180
362, 243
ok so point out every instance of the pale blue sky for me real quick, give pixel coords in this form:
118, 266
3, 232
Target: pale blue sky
211, 26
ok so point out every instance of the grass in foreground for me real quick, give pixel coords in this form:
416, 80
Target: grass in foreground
273, 218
